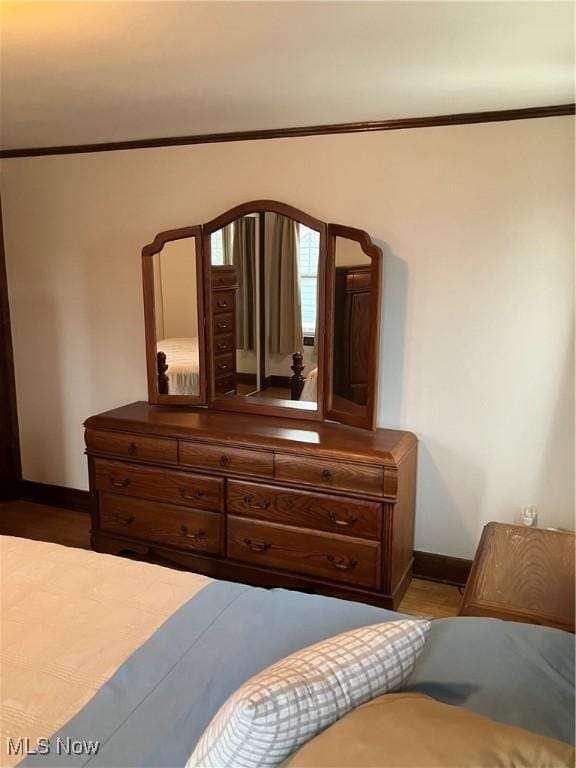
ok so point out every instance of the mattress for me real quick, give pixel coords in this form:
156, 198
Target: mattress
183, 360
138, 658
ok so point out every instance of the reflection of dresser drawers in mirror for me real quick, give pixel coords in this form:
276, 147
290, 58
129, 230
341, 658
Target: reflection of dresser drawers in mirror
224, 287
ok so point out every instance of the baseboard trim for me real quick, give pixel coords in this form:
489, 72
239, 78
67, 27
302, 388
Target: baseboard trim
441, 568
55, 496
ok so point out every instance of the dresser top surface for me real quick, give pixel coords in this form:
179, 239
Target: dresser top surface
385, 446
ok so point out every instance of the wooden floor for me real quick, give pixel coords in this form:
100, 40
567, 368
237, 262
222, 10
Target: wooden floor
34, 521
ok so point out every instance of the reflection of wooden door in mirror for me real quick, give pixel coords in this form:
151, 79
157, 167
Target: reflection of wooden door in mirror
174, 316
278, 254
352, 327
354, 270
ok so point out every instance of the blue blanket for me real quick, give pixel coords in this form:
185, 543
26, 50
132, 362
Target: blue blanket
156, 706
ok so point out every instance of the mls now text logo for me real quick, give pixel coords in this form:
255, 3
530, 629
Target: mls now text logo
57, 745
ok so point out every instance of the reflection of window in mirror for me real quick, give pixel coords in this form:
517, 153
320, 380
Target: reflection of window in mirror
217, 248
308, 256
176, 315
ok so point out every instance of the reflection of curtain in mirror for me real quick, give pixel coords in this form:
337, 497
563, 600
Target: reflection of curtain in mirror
227, 239
244, 259
285, 307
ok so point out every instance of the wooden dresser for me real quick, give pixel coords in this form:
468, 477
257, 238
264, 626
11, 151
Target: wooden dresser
224, 287
315, 506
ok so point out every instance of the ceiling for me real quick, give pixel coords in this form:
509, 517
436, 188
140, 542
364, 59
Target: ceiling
84, 72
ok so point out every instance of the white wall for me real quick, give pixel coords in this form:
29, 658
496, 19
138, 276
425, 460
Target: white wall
476, 223
175, 282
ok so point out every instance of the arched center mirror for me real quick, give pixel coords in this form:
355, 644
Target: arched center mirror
265, 297
264, 309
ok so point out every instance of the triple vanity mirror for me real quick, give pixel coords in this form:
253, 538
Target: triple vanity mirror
264, 309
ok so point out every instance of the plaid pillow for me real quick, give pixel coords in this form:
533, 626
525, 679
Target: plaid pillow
287, 704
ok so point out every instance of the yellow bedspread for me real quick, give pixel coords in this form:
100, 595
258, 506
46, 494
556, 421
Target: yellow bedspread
69, 619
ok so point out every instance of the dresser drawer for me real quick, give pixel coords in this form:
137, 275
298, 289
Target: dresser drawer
324, 473
334, 514
224, 344
224, 364
223, 301
223, 277
225, 384
132, 445
223, 323
162, 523
234, 460
182, 488
330, 557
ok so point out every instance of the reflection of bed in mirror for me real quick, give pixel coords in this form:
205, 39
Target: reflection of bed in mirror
178, 366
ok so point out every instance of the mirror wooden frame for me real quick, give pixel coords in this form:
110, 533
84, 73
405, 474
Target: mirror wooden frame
153, 360
289, 408
367, 421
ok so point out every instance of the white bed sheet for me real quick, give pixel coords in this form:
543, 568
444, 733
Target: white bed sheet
183, 359
309, 392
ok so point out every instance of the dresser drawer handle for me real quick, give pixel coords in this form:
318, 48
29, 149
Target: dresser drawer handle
222, 304
334, 517
190, 496
223, 461
222, 326
200, 533
222, 346
222, 366
249, 502
119, 483
257, 546
123, 520
341, 562
132, 448
326, 475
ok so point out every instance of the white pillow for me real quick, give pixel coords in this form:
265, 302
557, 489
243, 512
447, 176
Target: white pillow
287, 704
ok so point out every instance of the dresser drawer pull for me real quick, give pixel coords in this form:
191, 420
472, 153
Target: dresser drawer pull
190, 496
222, 325
200, 533
222, 304
257, 546
132, 448
222, 366
123, 520
119, 483
342, 563
223, 461
326, 475
334, 517
222, 346
249, 502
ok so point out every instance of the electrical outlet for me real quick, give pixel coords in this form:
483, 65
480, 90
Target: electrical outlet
529, 516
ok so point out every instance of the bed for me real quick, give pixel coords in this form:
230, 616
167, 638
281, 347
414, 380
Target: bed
139, 657
179, 360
